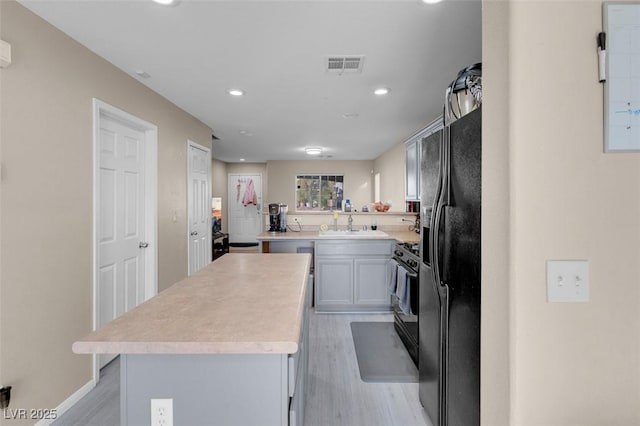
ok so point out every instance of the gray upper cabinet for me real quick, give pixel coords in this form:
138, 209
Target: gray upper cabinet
413, 159
412, 170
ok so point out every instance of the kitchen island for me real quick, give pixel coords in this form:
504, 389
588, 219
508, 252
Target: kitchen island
228, 344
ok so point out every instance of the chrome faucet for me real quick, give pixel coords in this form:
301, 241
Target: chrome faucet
350, 225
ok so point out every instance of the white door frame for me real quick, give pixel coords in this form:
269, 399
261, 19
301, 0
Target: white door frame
190, 144
102, 109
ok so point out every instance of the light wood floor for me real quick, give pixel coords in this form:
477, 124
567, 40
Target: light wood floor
336, 396
101, 406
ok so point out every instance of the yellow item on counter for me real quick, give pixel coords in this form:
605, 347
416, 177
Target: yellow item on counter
324, 227
335, 215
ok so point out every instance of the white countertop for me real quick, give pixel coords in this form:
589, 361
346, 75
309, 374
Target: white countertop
241, 303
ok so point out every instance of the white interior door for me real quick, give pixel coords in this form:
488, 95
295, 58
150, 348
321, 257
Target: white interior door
120, 221
244, 207
199, 206
125, 218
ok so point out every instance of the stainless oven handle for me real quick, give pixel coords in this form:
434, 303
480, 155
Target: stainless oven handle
408, 271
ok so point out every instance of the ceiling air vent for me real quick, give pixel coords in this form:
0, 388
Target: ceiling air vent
344, 63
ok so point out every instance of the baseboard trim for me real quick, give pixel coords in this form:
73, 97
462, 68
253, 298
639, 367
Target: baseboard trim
69, 402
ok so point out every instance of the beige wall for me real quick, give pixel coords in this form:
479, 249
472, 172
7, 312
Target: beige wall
391, 166
496, 321
46, 224
358, 179
570, 364
219, 186
247, 168
218, 178
278, 183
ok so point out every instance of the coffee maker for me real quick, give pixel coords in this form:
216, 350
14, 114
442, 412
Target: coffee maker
274, 217
278, 217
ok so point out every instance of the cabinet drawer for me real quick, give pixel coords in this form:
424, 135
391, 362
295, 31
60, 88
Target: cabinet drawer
354, 248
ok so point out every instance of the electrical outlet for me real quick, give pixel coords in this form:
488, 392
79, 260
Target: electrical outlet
162, 412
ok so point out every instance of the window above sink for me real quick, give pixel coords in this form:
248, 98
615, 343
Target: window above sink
318, 192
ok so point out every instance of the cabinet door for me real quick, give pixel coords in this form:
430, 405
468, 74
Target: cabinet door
411, 170
334, 285
371, 282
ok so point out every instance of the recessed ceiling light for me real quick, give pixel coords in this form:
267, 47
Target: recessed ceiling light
350, 115
142, 74
242, 159
167, 2
313, 150
381, 91
245, 133
431, 1
236, 92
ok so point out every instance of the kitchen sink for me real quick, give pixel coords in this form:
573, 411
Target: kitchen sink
354, 233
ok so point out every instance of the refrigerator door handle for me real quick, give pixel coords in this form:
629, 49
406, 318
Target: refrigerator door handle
442, 201
446, 190
435, 249
433, 224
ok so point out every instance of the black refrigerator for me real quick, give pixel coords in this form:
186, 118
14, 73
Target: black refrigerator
449, 292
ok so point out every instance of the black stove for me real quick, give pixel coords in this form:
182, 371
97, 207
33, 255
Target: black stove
406, 321
409, 255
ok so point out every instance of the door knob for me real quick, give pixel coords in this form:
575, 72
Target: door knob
143, 245
194, 233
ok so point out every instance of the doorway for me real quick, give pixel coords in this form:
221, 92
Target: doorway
124, 214
199, 206
244, 208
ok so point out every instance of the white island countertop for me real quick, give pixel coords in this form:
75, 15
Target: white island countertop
243, 303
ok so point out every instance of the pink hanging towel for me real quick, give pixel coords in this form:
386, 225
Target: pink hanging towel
250, 196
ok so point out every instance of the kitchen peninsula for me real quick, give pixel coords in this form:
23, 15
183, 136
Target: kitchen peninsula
352, 269
228, 344
266, 238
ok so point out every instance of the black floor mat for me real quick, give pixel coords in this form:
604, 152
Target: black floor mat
243, 244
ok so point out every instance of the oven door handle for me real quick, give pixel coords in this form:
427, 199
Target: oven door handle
412, 274
409, 272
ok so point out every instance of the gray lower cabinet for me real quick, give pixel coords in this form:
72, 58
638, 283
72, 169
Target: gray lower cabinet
371, 278
352, 275
334, 282
218, 389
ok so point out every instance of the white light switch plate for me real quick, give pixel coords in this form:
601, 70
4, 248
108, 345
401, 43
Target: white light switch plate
567, 280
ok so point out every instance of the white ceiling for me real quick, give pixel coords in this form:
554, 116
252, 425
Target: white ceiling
276, 51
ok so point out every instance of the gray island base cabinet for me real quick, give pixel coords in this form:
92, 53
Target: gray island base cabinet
218, 389
352, 276
223, 389
228, 345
